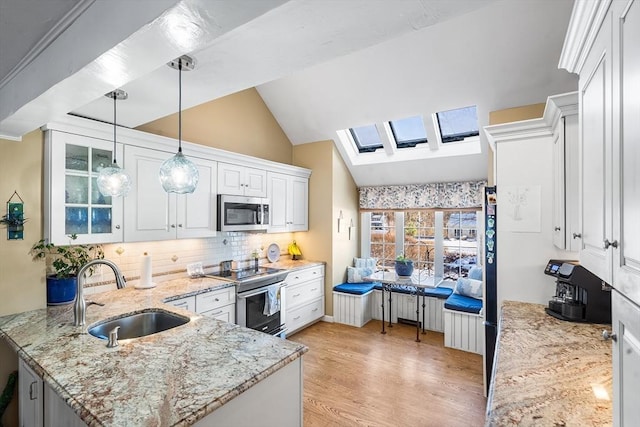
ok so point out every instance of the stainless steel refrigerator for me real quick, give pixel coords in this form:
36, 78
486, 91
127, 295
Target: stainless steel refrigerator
490, 276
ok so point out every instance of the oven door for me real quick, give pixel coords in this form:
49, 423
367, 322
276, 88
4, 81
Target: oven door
251, 305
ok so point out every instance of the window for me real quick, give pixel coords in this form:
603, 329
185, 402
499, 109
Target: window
383, 237
456, 125
444, 243
408, 132
367, 138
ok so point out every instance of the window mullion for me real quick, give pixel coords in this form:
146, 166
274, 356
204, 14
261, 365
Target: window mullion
399, 233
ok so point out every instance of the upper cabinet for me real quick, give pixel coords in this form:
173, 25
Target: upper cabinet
241, 180
153, 214
289, 196
601, 46
77, 148
73, 204
562, 114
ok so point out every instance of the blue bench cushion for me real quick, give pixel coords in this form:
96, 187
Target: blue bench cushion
441, 293
354, 288
462, 303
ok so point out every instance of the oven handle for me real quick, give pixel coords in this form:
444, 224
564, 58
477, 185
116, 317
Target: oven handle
263, 290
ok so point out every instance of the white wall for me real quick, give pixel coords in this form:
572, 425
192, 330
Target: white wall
522, 256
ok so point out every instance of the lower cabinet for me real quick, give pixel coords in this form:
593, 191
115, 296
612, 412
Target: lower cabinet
626, 360
304, 298
219, 304
39, 405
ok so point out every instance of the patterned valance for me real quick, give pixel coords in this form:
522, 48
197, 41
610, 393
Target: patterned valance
443, 195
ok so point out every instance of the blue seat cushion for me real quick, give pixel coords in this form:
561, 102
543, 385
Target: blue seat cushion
354, 288
462, 303
441, 293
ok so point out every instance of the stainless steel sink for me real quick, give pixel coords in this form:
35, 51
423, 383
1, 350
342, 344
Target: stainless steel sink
139, 324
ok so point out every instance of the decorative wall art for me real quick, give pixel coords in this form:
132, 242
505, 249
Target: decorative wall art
14, 218
521, 208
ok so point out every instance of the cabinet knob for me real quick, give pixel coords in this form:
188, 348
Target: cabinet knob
606, 335
557, 228
173, 226
117, 227
577, 235
607, 243
180, 225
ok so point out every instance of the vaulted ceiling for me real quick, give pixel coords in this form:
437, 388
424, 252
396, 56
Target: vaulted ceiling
319, 65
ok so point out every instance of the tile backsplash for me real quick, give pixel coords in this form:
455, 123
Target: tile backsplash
170, 257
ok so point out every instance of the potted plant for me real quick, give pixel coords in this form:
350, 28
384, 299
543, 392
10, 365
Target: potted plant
404, 266
14, 223
63, 264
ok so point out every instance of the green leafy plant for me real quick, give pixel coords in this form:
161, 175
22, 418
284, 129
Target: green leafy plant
66, 261
13, 220
401, 258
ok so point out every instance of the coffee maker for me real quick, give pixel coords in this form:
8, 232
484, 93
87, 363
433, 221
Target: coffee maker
580, 295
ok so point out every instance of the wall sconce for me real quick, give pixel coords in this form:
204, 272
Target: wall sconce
340, 218
350, 227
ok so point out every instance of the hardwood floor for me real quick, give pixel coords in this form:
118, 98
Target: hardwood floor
359, 377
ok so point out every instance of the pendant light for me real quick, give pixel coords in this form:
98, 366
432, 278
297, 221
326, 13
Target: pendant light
178, 174
113, 180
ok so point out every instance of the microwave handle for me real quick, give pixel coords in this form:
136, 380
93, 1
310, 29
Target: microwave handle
261, 214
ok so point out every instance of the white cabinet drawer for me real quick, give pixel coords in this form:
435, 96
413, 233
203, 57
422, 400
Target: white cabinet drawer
304, 292
215, 299
226, 313
188, 303
300, 276
303, 315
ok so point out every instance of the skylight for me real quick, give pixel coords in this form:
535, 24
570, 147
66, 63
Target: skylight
408, 132
456, 125
367, 138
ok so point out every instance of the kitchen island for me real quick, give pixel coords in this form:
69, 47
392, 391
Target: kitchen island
173, 378
549, 372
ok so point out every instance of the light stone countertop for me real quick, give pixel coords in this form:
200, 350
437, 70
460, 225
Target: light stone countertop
289, 264
549, 372
173, 378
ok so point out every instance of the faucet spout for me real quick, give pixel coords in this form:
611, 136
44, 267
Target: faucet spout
80, 305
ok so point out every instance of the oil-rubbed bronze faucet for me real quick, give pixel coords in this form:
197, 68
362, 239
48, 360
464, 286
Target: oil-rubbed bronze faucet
80, 306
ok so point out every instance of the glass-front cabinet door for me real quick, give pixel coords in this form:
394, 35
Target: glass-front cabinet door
73, 203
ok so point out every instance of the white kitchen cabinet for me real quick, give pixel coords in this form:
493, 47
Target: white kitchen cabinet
219, 304
562, 111
626, 360
241, 180
595, 86
152, 214
289, 196
304, 297
39, 405
73, 203
30, 396
602, 48
187, 303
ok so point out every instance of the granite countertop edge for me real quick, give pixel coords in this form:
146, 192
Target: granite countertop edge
33, 335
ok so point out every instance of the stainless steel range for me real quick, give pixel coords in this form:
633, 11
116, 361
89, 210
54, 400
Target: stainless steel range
260, 294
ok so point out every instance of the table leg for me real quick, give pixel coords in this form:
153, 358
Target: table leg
423, 312
417, 315
382, 306
390, 325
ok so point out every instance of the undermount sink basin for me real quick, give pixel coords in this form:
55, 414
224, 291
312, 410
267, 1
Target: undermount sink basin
139, 324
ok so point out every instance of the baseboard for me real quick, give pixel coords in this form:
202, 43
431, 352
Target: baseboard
326, 318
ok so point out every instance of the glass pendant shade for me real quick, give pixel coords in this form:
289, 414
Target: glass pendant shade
179, 175
113, 181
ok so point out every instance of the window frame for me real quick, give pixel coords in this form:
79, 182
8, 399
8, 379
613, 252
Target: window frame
410, 143
365, 149
457, 137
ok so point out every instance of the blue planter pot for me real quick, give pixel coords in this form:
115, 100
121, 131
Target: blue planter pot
61, 291
404, 268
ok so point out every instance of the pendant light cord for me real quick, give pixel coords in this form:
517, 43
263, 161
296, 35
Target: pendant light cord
114, 95
180, 105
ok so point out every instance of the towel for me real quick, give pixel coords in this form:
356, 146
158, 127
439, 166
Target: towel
272, 300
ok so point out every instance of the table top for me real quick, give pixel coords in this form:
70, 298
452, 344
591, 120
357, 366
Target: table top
419, 278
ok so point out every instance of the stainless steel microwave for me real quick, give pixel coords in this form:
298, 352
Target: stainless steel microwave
239, 213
